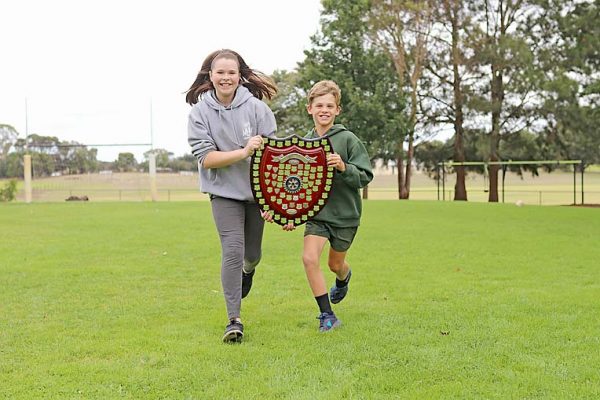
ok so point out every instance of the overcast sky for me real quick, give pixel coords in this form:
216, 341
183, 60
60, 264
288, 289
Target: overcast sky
92, 70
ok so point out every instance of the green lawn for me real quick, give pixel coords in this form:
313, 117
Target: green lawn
448, 300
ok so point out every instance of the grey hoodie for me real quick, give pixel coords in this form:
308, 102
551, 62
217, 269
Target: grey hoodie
212, 126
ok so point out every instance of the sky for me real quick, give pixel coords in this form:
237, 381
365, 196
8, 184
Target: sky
115, 71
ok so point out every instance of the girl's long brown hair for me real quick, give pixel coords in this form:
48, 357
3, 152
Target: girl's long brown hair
259, 84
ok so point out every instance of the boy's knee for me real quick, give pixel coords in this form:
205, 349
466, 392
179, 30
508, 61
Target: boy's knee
310, 261
336, 266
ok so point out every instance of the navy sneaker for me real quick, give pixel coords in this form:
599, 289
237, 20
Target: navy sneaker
328, 321
247, 282
234, 332
337, 294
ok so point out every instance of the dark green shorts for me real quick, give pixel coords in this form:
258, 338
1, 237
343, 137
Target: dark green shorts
340, 239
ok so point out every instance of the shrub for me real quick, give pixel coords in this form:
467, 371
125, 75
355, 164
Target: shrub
9, 191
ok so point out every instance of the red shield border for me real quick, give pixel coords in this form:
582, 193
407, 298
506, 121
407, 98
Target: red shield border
290, 177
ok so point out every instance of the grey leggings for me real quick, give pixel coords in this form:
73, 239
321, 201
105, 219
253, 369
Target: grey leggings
240, 229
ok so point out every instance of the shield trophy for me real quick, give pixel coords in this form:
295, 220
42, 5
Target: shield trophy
290, 177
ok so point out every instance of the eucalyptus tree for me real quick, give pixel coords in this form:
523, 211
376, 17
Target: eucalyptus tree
503, 52
401, 28
125, 162
8, 137
163, 157
446, 82
567, 35
80, 160
372, 103
288, 104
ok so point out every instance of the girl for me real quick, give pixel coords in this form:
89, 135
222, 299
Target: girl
224, 129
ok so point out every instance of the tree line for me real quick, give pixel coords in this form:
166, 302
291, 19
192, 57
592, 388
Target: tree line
503, 79
51, 155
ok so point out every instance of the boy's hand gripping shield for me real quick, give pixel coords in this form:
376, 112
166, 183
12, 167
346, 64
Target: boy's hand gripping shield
290, 177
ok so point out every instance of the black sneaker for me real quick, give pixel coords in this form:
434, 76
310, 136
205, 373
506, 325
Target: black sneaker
337, 294
247, 282
234, 332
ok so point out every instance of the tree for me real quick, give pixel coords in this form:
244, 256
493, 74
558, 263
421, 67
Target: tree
12, 165
445, 80
163, 157
187, 162
125, 162
568, 38
42, 164
289, 104
44, 153
8, 137
430, 153
401, 28
501, 47
75, 158
81, 160
372, 105
42, 144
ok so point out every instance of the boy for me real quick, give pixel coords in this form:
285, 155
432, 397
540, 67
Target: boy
338, 221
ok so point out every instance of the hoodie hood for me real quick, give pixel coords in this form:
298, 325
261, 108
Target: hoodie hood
335, 129
242, 95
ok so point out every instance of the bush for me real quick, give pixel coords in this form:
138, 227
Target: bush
9, 191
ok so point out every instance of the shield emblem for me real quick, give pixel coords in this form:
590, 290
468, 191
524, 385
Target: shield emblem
290, 177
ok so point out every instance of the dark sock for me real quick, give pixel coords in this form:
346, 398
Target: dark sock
343, 283
323, 302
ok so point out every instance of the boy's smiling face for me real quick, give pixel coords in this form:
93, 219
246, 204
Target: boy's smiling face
323, 109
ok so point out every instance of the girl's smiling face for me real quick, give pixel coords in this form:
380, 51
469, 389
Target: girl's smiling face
225, 77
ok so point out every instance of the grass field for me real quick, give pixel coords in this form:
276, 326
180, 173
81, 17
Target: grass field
554, 188
448, 301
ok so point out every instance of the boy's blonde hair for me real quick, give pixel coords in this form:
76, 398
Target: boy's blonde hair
322, 88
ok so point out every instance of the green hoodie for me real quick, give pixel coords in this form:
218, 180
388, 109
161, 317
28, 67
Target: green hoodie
344, 206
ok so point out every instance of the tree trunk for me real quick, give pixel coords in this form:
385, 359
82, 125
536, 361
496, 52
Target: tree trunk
497, 99
365, 192
400, 167
405, 194
493, 194
460, 190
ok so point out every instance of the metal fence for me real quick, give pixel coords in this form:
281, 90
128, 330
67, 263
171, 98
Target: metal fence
551, 189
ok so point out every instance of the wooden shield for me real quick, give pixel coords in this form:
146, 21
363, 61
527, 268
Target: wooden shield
290, 177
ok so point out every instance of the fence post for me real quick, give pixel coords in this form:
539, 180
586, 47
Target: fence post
444, 182
437, 170
504, 167
582, 169
574, 184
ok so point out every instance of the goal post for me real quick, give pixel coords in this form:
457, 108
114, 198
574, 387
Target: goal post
55, 160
